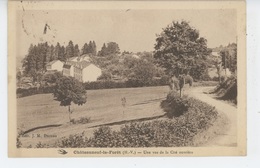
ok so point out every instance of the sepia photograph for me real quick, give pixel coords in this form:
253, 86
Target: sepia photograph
126, 79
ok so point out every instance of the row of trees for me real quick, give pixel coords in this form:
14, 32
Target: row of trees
89, 48
229, 57
42, 53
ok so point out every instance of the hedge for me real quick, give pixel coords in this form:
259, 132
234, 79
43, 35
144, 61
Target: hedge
109, 84
21, 92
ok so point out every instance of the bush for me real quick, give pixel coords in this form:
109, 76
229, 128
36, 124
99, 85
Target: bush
177, 105
205, 77
20, 92
227, 90
82, 120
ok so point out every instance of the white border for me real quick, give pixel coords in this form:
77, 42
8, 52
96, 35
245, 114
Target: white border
253, 113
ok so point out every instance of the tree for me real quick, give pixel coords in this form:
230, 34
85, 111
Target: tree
68, 90
76, 50
94, 48
69, 52
179, 49
234, 60
90, 48
217, 64
112, 48
103, 50
49, 53
52, 78
84, 49
18, 76
225, 58
143, 72
62, 56
29, 62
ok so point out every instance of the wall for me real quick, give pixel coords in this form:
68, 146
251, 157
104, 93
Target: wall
91, 73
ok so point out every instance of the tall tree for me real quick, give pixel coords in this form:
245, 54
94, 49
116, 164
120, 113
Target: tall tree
62, 54
56, 54
94, 51
69, 50
84, 49
103, 50
29, 62
49, 53
76, 51
179, 49
68, 90
90, 48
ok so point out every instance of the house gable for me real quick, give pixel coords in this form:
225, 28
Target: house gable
90, 73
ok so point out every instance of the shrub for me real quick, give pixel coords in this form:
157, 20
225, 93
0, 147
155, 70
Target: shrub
227, 90
73, 141
82, 120
109, 84
178, 105
205, 77
41, 145
21, 92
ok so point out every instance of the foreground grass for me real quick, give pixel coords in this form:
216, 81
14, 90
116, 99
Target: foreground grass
196, 125
102, 107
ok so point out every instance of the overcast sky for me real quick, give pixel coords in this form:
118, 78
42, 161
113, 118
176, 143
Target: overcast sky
133, 30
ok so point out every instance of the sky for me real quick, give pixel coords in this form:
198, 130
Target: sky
133, 30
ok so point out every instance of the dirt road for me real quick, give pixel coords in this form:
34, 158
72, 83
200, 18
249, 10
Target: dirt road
230, 136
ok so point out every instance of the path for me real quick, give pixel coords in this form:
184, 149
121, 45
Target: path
230, 137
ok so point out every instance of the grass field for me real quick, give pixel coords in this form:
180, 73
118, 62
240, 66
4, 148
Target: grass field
43, 116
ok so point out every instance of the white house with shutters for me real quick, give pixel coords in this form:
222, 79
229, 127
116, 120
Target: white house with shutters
83, 71
68, 70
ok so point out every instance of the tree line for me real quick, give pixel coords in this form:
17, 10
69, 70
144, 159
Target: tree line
40, 55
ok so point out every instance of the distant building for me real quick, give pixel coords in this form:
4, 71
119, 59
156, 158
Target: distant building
68, 70
135, 56
215, 53
55, 65
83, 71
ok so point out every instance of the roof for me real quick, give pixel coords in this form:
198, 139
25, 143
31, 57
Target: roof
81, 65
83, 57
84, 64
72, 58
67, 66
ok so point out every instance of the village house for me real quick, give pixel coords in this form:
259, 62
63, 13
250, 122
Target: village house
55, 65
68, 69
83, 71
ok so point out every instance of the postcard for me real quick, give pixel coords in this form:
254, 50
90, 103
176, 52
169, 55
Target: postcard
126, 78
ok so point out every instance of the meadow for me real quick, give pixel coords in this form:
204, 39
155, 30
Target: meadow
44, 120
